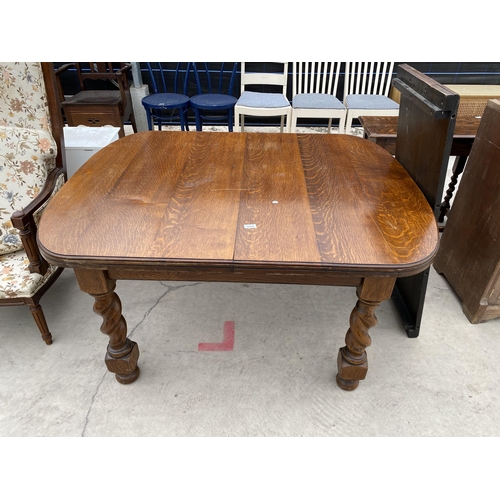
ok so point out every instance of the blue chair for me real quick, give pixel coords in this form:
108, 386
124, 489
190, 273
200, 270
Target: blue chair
214, 102
163, 106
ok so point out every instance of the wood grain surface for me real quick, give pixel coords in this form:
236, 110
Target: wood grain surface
236, 199
469, 256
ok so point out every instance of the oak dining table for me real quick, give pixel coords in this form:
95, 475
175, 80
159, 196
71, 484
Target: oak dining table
309, 209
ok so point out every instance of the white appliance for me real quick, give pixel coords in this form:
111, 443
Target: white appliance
82, 142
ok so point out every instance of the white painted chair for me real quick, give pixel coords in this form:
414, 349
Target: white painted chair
263, 103
314, 93
366, 91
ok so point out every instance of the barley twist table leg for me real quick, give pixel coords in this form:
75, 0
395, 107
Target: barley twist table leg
352, 360
122, 353
458, 168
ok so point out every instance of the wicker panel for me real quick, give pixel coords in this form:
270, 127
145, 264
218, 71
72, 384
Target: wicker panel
472, 107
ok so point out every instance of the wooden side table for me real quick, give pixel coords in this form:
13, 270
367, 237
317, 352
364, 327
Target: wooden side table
95, 108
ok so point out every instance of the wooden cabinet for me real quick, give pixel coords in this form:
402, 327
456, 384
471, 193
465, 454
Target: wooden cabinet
469, 254
95, 109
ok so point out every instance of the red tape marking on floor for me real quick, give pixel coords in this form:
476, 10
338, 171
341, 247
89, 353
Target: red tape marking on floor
226, 345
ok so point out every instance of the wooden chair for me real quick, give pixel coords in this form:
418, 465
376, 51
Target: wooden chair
314, 93
426, 123
33, 169
104, 98
263, 102
366, 91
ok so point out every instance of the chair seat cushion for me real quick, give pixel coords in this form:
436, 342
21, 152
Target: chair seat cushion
167, 101
262, 100
27, 156
16, 280
362, 101
316, 101
213, 101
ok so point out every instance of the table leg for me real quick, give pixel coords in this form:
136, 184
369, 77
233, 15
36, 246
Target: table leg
458, 168
122, 353
352, 359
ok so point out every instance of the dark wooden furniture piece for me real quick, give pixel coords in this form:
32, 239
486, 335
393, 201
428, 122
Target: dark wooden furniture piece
383, 131
249, 207
469, 255
26, 220
426, 124
104, 98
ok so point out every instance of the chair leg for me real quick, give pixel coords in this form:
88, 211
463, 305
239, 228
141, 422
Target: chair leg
282, 123
348, 123
236, 127
329, 125
293, 124
184, 119
39, 318
230, 119
197, 117
132, 121
148, 116
342, 125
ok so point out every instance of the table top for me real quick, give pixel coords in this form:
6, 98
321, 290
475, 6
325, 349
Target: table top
304, 201
387, 126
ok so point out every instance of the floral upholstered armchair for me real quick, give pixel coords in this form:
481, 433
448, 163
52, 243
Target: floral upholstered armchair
32, 169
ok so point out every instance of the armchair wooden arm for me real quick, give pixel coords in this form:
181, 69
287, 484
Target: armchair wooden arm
24, 221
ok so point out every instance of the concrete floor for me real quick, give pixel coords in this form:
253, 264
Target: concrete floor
279, 380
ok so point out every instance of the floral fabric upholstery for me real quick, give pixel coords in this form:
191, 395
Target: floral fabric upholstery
27, 148
23, 100
27, 155
16, 280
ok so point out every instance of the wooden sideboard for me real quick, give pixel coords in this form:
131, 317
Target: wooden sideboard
469, 253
